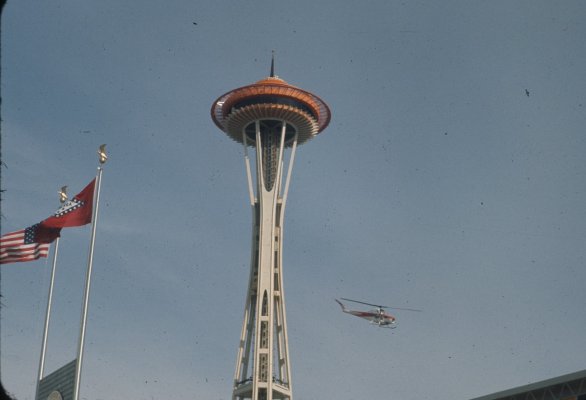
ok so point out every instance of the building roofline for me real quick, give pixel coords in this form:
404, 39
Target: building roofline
574, 376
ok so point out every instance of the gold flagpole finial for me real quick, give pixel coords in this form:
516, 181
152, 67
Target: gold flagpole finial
63, 194
102, 154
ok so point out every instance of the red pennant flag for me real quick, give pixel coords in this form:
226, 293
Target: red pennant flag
75, 212
27, 244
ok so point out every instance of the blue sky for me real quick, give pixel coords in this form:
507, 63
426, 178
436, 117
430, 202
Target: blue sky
439, 184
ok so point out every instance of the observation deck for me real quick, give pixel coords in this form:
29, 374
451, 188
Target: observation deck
270, 99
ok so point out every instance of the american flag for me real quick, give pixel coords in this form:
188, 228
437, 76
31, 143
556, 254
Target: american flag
27, 244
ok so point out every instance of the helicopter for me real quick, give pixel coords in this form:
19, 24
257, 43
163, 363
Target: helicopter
376, 317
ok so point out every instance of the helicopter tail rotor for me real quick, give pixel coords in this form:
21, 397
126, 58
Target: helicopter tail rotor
341, 305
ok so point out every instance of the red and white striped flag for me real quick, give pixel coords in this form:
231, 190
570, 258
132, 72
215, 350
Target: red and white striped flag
33, 242
27, 244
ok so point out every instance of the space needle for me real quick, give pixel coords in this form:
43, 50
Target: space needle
271, 117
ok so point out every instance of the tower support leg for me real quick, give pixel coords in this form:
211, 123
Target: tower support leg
262, 366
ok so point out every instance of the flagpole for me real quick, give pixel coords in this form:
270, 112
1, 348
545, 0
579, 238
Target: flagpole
84, 312
62, 199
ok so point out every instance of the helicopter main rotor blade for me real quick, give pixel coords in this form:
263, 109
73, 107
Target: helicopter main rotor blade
361, 302
379, 306
404, 309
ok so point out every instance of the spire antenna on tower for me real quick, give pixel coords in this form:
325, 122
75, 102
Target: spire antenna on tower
273, 64
273, 118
